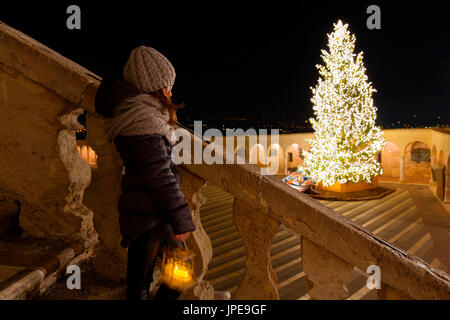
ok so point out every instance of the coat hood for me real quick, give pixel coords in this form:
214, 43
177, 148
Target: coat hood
110, 93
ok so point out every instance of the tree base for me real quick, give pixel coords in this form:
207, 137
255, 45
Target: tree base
349, 186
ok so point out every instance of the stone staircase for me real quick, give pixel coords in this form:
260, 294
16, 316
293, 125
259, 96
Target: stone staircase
395, 218
228, 261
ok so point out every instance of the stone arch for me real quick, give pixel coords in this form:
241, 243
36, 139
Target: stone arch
241, 151
390, 161
294, 157
441, 159
433, 155
275, 150
257, 155
417, 163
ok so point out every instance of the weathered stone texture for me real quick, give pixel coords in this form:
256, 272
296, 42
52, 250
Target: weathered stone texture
259, 281
390, 161
32, 170
199, 241
326, 273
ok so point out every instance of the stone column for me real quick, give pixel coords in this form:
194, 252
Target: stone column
402, 169
447, 186
326, 273
285, 164
199, 241
257, 230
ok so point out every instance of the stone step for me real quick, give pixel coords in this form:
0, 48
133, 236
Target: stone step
218, 234
209, 208
213, 198
219, 215
34, 279
227, 267
226, 256
218, 226
280, 262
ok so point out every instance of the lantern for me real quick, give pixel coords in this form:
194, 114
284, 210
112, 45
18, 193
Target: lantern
178, 268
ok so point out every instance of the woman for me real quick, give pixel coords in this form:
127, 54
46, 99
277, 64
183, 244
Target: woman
152, 206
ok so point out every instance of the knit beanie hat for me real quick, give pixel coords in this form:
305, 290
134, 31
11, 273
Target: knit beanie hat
148, 70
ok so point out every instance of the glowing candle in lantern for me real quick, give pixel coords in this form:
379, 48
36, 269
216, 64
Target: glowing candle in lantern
178, 271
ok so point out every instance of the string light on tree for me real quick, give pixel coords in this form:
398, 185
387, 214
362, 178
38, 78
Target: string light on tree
346, 139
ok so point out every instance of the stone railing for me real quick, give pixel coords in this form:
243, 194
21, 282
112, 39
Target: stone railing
331, 245
41, 94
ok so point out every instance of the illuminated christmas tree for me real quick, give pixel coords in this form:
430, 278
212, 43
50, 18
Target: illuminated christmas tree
346, 138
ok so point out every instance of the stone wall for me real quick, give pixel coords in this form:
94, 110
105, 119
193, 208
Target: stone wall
390, 161
40, 167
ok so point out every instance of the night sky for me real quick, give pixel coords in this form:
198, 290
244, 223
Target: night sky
258, 60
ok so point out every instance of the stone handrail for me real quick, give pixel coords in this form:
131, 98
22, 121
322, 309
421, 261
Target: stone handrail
331, 244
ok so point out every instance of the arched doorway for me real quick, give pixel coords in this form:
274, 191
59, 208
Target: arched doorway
257, 155
417, 163
241, 152
390, 162
294, 157
276, 152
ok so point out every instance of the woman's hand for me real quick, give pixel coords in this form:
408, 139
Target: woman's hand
182, 237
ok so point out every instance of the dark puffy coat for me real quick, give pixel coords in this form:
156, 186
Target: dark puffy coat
151, 191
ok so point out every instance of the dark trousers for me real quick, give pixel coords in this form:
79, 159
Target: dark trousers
142, 253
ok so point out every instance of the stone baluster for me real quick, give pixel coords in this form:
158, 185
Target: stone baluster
79, 175
199, 242
325, 272
257, 231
